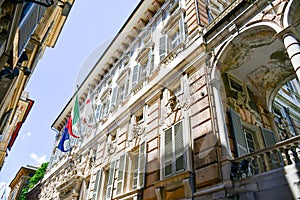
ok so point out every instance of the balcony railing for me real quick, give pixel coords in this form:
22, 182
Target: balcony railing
283, 153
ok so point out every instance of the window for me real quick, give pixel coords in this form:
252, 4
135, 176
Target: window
114, 96
110, 180
121, 93
131, 170
137, 163
249, 141
238, 133
150, 62
98, 111
123, 87
166, 13
244, 136
100, 184
235, 85
163, 47
135, 75
97, 184
105, 105
121, 174
240, 94
173, 153
175, 36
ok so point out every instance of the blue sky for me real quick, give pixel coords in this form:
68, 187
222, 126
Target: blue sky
52, 84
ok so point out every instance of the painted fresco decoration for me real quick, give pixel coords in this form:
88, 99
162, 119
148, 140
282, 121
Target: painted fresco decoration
265, 78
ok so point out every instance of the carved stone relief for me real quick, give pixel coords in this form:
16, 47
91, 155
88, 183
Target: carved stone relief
171, 111
135, 129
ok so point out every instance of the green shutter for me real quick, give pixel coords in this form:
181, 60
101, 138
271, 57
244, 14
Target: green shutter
121, 174
142, 165
168, 153
268, 136
110, 181
97, 184
238, 133
179, 148
163, 47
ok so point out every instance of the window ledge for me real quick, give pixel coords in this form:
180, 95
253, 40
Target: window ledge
172, 54
178, 178
142, 55
139, 85
128, 195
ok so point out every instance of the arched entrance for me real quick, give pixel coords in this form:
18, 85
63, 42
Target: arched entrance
253, 65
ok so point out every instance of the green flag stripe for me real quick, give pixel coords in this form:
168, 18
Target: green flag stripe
76, 117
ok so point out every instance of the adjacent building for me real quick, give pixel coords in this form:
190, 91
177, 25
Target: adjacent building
26, 28
190, 100
21, 181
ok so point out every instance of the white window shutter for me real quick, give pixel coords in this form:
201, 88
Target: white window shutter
135, 75
142, 165
110, 181
150, 62
179, 148
121, 174
135, 171
121, 93
98, 112
163, 47
114, 96
238, 132
182, 29
97, 184
168, 152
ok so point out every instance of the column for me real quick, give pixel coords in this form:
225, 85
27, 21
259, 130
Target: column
292, 46
224, 139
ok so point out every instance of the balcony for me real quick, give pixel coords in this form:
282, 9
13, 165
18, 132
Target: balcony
280, 155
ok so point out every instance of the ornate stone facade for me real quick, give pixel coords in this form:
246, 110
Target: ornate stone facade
183, 100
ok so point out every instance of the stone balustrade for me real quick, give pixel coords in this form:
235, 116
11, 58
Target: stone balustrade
281, 154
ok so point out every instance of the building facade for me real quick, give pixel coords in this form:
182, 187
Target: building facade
21, 181
26, 28
191, 100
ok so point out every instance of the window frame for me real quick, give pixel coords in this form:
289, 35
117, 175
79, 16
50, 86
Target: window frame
137, 167
173, 147
105, 103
